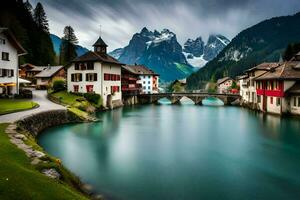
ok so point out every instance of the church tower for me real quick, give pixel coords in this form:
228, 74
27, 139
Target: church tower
100, 46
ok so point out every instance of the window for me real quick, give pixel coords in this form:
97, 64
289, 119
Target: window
10, 72
76, 66
2, 41
148, 76
112, 77
89, 88
115, 89
258, 98
148, 82
144, 82
90, 66
298, 101
5, 56
91, 77
277, 101
76, 88
76, 77
82, 66
271, 100
3, 72
144, 87
106, 77
148, 87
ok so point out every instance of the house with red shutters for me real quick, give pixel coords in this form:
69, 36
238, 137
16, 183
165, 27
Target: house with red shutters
278, 90
96, 72
130, 81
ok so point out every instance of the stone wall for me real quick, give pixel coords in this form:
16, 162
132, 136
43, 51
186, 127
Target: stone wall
38, 122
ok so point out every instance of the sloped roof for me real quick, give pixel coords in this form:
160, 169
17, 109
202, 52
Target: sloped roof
49, 72
96, 56
100, 42
289, 70
263, 66
33, 67
13, 40
139, 70
222, 80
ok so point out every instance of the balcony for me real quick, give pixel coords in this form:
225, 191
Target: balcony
270, 93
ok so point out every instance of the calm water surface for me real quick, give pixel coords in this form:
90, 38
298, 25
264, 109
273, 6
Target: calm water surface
183, 152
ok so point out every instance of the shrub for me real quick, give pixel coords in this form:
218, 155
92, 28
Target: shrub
92, 97
58, 84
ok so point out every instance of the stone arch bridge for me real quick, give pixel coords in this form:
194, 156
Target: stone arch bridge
197, 98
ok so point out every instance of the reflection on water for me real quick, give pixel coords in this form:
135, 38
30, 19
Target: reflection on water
183, 152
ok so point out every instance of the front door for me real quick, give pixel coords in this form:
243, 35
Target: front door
264, 103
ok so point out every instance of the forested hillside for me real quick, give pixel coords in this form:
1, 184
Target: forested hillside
30, 26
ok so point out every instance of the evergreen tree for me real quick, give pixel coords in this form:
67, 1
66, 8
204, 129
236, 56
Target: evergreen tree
68, 46
288, 54
40, 18
15, 15
28, 6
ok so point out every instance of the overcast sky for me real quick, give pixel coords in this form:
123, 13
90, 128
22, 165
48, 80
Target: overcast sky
120, 19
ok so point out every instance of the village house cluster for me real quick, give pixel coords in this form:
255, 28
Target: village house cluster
93, 72
268, 87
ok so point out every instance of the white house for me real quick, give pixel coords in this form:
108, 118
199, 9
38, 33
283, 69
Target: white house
10, 50
98, 72
254, 73
278, 90
224, 84
147, 78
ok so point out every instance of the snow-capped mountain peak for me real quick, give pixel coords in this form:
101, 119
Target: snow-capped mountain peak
198, 53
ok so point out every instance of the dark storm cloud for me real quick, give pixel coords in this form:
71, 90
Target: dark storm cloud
188, 19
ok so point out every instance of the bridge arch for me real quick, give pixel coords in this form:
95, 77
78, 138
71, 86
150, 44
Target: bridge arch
213, 101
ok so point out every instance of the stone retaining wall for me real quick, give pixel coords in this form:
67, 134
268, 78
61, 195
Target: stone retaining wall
38, 122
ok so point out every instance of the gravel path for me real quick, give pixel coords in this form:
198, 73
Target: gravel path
40, 97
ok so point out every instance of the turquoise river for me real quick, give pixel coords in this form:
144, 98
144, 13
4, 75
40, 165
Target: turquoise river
185, 152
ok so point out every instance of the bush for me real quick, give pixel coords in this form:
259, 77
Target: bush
92, 97
58, 85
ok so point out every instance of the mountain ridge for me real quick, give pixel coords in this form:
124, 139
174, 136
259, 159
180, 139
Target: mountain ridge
161, 52
263, 42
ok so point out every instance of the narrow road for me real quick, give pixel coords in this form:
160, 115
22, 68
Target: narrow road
40, 97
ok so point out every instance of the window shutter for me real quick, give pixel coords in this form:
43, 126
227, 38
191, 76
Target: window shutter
95, 76
87, 77
72, 77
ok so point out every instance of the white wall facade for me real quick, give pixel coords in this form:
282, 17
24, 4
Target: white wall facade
100, 86
295, 105
244, 90
147, 83
11, 64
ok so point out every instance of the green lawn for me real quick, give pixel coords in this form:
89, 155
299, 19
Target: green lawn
20, 180
66, 97
12, 105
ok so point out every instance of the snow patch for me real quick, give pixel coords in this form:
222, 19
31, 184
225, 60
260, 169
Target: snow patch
195, 61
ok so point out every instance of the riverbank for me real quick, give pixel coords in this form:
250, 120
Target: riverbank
21, 179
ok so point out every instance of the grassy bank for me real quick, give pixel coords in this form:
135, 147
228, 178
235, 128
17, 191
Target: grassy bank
21, 180
11, 105
77, 104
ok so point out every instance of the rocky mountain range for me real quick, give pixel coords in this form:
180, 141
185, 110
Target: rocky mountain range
161, 52
198, 53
